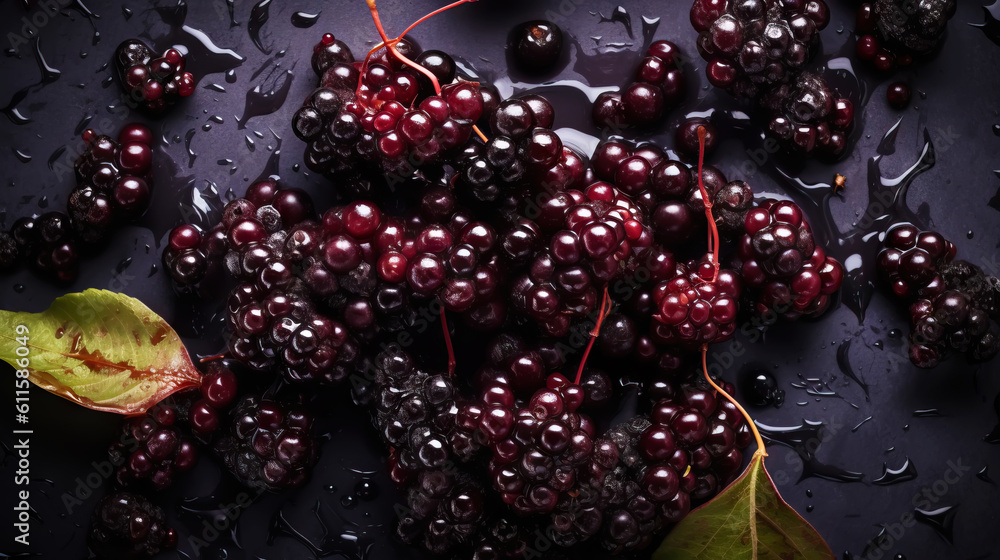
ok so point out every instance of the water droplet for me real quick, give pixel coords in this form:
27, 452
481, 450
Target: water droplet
21, 155
984, 474
304, 19
203, 56
366, 489
941, 520
123, 264
48, 75
760, 388
806, 439
268, 96
348, 501
619, 15
127, 12
231, 76
927, 412
19, 288
996, 129
861, 423
216, 87
330, 488
895, 333
877, 544
809, 508
188, 136
844, 363
206, 127
878, 344
894, 476
970, 234
809, 493
258, 17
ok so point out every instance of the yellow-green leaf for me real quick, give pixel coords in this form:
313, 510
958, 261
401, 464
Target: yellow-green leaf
746, 521
100, 349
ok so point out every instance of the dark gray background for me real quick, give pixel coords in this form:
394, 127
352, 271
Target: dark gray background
958, 108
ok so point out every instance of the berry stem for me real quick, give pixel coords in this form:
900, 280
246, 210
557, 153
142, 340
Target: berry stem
211, 358
480, 134
391, 45
447, 342
364, 68
761, 449
713, 229
603, 312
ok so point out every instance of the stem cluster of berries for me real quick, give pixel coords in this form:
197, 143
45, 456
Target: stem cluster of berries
953, 304
452, 202
758, 50
113, 180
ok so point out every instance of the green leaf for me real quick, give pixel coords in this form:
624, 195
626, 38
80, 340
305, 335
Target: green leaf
747, 521
100, 349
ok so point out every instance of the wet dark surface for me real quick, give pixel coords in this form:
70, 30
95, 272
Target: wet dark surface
862, 441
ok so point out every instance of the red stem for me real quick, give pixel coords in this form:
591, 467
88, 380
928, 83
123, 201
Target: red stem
364, 68
713, 229
480, 134
603, 312
753, 427
211, 358
391, 45
447, 342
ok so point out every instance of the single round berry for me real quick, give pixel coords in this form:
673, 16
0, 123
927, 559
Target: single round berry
687, 139
536, 46
898, 95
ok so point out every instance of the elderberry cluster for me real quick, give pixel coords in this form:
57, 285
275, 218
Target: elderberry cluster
156, 83
658, 87
113, 180
586, 282
758, 50
390, 117
953, 304
893, 34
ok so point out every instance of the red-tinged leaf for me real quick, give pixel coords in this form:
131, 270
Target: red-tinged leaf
100, 349
746, 521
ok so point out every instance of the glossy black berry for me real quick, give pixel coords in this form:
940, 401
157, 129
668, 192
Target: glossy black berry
898, 95
657, 87
754, 45
127, 526
808, 116
893, 34
153, 83
329, 51
536, 45
268, 445
154, 449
